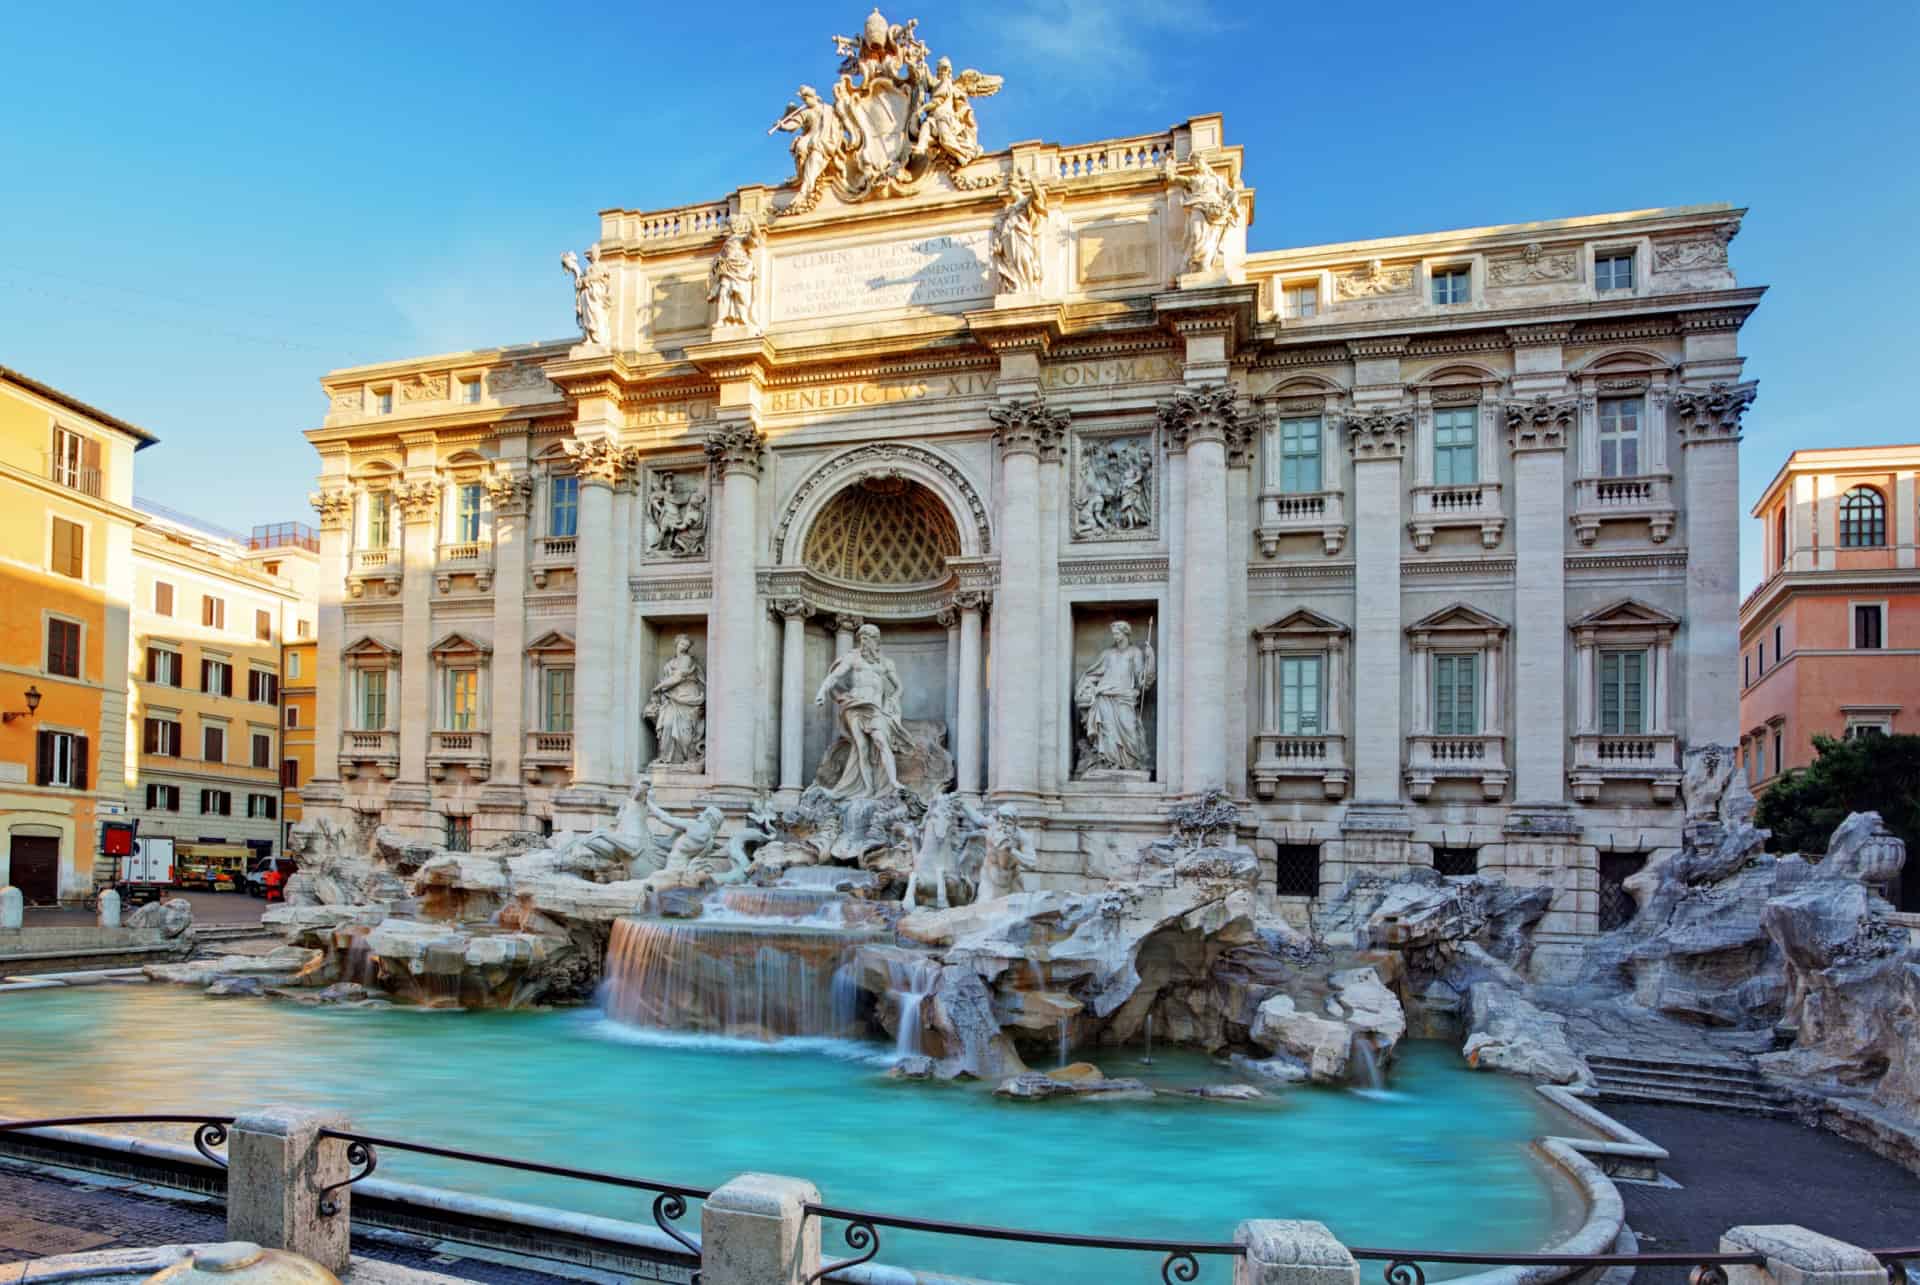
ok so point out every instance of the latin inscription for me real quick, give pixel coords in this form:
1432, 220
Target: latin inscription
933, 273
668, 414
858, 393
1124, 370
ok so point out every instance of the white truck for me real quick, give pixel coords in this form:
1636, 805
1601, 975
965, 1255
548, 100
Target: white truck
146, 874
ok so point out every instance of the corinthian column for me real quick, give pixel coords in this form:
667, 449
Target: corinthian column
1024, 429
968, 733
1710, 436
335, 508
793, 687
1205, 423
1537, 433
1377, 436
601, 466
733, 688
416, 502
509, 492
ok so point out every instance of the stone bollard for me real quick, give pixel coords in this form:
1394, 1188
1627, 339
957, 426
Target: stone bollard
12, 909
277, 1166
756, 1231
108, 915
1796, 1256
1292, 1252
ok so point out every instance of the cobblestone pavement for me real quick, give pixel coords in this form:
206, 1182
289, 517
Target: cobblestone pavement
42, 1214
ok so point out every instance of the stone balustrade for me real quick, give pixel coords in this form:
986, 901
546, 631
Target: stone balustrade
1648, 498
377, 751
467, 749
1321, 513
1279, 757
1481, 758
1474, 505
1649, 757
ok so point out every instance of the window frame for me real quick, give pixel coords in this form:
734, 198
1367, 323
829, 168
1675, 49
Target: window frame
1298, 424
1617, 708
78, 654
460, 710
548, 673
1612, 285
1855, 606
365, 679
1447, 419
467, 520
1295, 293
154, 720
379, 520
570, 483
210, 728
166, 586
1862, 531
167, 791
213, 612
1619, 438
260, 749
1293, 722
1451, 274
75, 567
1455, 660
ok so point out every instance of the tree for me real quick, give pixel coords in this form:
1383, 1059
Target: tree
1865, 773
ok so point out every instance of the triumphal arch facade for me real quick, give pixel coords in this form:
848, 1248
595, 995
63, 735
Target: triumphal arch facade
1016, 472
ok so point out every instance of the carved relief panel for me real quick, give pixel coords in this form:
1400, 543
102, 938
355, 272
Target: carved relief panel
1115, 486
676, 513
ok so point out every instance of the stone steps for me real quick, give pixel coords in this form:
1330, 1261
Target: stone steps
1713, 1083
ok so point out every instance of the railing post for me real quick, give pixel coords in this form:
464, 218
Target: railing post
756, 1231
1292, 1252
278, 1166
1796, 1256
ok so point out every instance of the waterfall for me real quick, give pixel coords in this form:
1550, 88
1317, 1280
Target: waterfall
1063, 1041
1148, 1059
913, 981
738, 977
1365, 1065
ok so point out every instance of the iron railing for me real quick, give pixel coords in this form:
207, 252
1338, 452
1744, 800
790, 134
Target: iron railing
1179, 1259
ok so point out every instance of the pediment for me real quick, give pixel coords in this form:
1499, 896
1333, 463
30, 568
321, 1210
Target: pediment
1628, 613
1460, 616
459, 644
554, 640
367, 647
1301, 623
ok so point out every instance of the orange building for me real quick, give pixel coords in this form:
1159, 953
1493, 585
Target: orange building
66, 580
1830, 641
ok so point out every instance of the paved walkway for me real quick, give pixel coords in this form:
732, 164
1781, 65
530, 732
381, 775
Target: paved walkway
1737, 1170
208, 908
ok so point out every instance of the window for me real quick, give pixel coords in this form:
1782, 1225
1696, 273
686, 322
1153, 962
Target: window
1863, 519
558, 712
1296, 869
1456, 439
1617, 906
262, 807
162, 598
1453, 862
1746, 671
1300, 455
1456, 690
69, 549
63, 647
263, 626
76, 461
459, 834
213, 743
1761, 652
1779, 648
1623, 693
164, 667
460, 704
289, 774
1858, 727
303, 629
1301, 302
213, 612
1452, 285
371, 700
1780, 550
293, 716
216, 803
1868, 617
161, 736
262, 750
293, 663
466, 515
470, 390
1779, 759
1613, 271
216, 677
1300, 695
163, 798
1620, 437
379, 520
1760, 759
383, 401
563, 505
263, 687
61, 760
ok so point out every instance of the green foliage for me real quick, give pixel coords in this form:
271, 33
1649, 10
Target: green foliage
1865, 774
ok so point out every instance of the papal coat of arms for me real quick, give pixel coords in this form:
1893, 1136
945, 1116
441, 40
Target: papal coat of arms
891, 121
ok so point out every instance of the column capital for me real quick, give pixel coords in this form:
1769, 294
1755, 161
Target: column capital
795, 608
1712, 414
335, 508
415, 500
1209, 413
947, 618
735, 447
1029, 427
1377, 432
509, 491
599, 461
848, 623
965, 600
1542, 424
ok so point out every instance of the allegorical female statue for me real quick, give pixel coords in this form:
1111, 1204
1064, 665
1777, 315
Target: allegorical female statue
1108, 696
677, 708
866, 697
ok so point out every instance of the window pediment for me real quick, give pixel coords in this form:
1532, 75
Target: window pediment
1626, 621
552, 643
1459, 625
457, 646
1301, 628
369, 648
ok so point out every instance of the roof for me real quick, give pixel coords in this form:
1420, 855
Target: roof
142, 438
1893, 456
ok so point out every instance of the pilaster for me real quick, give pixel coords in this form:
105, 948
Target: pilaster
1710, 421
793, 688
1377, 438
1538, 431
510, 490
334, 505
734, 451
601, 465
1025, 429
416, 500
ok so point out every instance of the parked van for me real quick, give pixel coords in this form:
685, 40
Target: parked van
146, 874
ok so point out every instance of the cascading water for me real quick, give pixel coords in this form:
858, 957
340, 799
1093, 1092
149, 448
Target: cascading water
1365, 1064
912, 981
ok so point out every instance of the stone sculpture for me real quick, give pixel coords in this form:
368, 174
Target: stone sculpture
943, 839
1213, 207
1009, 851
866, 694
1114, 489
730, 281
677, 519
1016, 236
592, 293
1109, 695
690, 859
677, 708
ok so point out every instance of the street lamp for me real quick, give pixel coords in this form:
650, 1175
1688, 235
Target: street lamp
33, 703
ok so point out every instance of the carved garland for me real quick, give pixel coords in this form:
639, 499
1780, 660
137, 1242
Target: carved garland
883, 454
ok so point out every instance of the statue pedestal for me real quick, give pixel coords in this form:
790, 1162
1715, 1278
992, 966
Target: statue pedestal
1233, 276
696, 768
1114, 774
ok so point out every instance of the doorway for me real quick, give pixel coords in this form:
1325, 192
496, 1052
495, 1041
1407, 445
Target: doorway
35, 865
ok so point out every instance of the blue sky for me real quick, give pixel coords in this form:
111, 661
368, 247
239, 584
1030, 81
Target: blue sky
206, 206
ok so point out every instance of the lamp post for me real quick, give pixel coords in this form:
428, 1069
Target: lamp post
33, 703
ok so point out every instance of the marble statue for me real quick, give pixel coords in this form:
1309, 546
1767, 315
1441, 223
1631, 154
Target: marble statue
1016, 237
944, 833
677, 708
1213, 207
948, 125
678, 519
694, 857
818, 139
1113, 490
1009, 851
592, 293
730, 280
866, 694
1108, 696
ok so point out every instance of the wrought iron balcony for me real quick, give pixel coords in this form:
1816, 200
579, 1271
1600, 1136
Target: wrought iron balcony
1278, 756
1476, 505
1649, 757
1481, 758
1321, 513
1647, 498
377, 751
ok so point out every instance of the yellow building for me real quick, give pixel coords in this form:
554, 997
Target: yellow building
66, 579
299, 546
212, 611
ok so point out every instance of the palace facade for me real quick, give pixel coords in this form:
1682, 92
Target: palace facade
1426, 545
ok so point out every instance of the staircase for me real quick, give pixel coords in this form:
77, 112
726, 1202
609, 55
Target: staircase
1718, 1083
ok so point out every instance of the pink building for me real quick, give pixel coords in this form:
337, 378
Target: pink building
1830, 641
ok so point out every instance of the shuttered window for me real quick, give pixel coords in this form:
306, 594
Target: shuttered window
162, 598
1623, 693
69, 557
262, 750
1456, 694
213, 612
163, 798
63, 647
263, 626
60, 760
213, 744
162, 736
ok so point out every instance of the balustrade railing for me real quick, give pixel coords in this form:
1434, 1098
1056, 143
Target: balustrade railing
465, 551
375, 559
1126, 155
550, 745
557, 548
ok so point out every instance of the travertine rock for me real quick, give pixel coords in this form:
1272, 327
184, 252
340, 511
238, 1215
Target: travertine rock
1513, 1034
1324, 1043
283, 964
172, 918
1034, 1086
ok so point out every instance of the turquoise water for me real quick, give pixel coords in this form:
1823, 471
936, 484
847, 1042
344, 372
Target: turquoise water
1439, 1162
